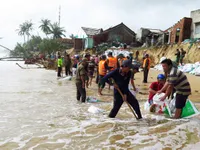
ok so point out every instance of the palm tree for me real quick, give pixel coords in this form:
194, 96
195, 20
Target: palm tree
24, 29
45, 26
57, 31
72, 36
29, 27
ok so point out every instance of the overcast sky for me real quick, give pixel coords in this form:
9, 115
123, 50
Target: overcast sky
158, 14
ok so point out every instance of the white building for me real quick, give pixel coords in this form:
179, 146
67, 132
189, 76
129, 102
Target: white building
195, 27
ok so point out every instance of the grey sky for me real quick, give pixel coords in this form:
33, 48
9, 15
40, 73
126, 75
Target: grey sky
159, 14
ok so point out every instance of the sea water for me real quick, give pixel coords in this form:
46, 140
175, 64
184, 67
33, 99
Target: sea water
37, 111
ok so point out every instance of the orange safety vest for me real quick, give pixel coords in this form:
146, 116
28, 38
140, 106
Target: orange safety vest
102, 69
144, 63
121, 60
112, 62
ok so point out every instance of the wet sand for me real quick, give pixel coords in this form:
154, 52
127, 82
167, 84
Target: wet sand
143, 87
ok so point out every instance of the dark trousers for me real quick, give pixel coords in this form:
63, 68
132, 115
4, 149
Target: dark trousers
97, 77
59, 71
81, 92
101, 85
181, 61
67, 71
146, 72
118, 101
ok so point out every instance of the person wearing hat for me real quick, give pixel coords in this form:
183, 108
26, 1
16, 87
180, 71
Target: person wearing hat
87, 56
121, 58
146, 67
121, 77
81, 76
155, 87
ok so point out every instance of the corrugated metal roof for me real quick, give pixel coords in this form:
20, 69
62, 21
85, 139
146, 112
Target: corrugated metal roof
91, 31
154, 30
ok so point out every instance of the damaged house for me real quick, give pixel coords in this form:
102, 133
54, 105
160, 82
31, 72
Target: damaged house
90, 32
195, 27
180, 31
150, 37
117, 34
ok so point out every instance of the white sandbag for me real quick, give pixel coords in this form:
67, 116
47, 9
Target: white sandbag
156, 98
159, 106
146, 106
95, 110
159, 67
116, 52
187, 68
66, 78
197, 71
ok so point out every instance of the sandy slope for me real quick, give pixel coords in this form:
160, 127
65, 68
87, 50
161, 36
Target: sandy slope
192, 54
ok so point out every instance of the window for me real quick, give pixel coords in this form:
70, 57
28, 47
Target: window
197, 28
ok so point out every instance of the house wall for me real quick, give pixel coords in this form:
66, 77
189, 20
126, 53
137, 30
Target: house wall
121, 35
185, 30
195, 27
78, 44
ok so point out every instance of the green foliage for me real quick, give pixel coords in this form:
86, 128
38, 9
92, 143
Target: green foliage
56, 31
36, 43
50, 45
45, 26
20, 50
25, 29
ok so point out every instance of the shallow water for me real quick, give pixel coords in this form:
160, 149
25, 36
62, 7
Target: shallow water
37, 111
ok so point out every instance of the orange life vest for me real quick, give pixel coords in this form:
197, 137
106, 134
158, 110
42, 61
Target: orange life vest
144, 63
112, 62
102, 69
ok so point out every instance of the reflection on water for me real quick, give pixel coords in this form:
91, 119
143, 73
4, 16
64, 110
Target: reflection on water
40, 112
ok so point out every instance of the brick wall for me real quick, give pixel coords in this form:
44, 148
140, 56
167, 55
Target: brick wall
185, 30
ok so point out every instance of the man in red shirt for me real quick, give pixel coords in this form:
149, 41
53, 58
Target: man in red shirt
156, 86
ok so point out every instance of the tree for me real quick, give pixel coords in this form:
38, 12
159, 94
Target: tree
21, 51
33, 43
29, 28
24, 29
57, 31
72, 36
45, 26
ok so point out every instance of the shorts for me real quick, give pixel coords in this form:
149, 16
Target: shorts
91, 73
180, 101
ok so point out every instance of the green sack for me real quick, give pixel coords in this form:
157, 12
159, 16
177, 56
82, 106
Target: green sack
167, 110
189, 110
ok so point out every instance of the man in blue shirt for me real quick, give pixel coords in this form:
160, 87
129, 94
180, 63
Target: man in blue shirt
122, 76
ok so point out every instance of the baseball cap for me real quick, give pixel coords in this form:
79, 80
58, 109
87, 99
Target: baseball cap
135, 68
127, 63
